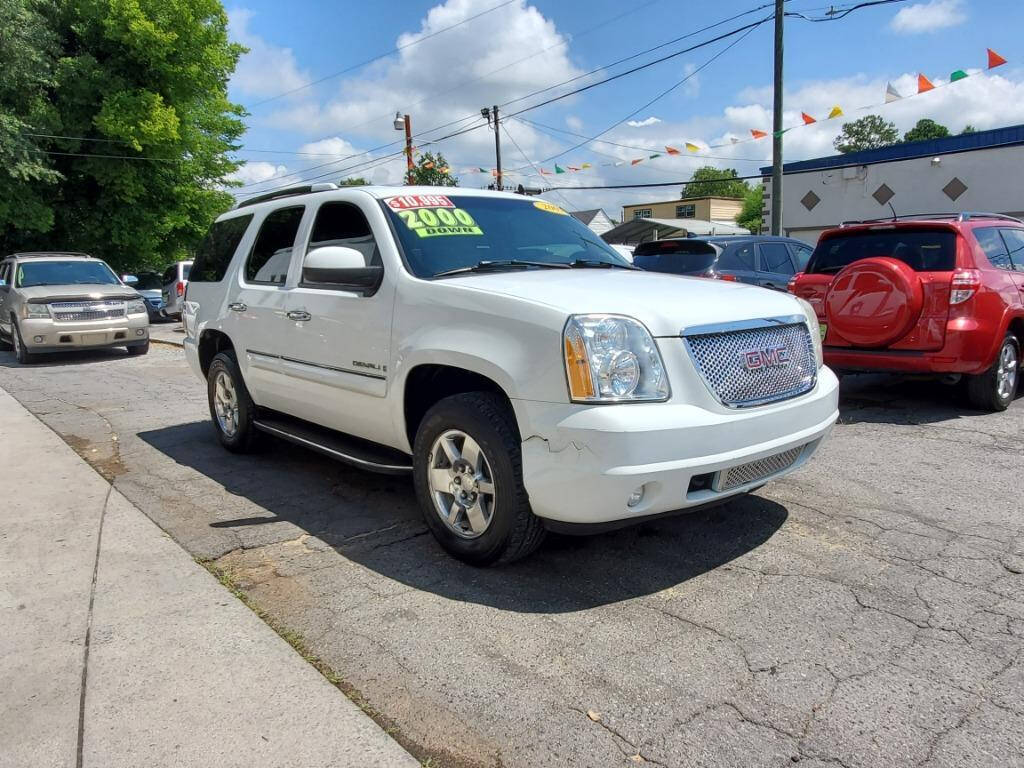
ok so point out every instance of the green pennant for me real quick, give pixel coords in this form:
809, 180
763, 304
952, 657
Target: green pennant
559, 169
483, 170
654, 156
779, 133
958, 75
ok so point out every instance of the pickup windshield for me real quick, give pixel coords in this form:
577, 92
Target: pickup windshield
442, 233
676, 257
79, 272
923, 250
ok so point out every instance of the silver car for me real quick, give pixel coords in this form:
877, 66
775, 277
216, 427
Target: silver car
174, 280
54, 302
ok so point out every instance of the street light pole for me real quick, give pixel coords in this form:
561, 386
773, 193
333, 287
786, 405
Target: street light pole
776, 199
402, 122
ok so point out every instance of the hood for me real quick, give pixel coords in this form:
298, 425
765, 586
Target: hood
150, 293
77, 292
664, 303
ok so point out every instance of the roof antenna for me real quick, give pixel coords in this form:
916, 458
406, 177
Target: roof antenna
894, 217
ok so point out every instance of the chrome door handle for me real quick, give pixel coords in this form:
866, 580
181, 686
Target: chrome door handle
299, 315
237, 307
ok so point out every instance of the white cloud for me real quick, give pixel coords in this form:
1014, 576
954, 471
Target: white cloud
691, 88
266, 70
652, 120
259, 171
574, 123
334, 146
928, 17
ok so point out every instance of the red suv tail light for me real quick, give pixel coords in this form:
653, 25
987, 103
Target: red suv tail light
964, 284
179, 288
727, 278
791, 285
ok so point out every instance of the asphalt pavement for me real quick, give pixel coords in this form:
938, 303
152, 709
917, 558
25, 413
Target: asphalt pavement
867, 610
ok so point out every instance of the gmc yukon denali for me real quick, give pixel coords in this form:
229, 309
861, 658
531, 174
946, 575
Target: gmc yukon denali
525, 374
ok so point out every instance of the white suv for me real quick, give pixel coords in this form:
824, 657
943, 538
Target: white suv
526, 375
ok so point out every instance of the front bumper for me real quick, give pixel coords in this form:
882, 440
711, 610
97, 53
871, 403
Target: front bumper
582, 467
45, 335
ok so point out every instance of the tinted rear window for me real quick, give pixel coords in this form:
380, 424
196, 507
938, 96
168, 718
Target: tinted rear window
923, 250
214, 254
676, 257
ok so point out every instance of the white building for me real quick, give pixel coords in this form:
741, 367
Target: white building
595, 218
981, 171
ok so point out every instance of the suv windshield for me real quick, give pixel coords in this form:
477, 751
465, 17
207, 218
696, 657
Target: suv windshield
675, 257
441, 233
78, 272
923, 250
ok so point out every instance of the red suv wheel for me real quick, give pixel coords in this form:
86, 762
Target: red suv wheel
873, 302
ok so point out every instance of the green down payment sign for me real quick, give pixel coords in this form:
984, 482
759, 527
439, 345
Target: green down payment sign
435, 222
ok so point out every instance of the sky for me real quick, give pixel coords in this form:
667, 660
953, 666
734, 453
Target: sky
322, 82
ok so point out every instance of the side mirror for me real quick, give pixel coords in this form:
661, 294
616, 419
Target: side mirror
340, 268
129, 279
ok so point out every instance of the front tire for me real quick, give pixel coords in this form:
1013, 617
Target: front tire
20, 351
139, 349
995, 389
231, 408
467, 469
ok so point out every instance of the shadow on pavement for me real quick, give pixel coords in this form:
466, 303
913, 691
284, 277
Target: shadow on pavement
374, 520
59, 359
890, 399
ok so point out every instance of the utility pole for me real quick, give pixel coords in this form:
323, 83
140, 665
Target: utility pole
496, 124
404, 123
776, 222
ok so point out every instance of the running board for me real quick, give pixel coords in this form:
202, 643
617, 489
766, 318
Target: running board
351, 450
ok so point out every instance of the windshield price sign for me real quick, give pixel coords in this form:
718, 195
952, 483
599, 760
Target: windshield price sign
433, 222
411, 202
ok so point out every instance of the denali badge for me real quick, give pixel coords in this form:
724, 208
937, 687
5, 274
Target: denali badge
770, 357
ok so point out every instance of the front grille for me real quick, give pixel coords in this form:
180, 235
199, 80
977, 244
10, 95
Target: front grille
72, 311
754, 366
734, 477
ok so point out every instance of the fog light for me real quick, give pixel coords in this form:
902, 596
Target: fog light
140, 332
38, 339
635, 497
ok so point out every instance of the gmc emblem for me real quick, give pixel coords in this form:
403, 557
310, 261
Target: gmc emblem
770, 357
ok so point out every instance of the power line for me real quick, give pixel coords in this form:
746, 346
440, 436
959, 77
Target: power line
394, 50
759, 177
834, 14
110, 157
527, 159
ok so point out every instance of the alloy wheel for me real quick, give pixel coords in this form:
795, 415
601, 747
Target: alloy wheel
225, 403
461, 484
1006, 375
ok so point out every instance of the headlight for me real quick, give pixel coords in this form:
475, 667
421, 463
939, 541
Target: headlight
612, 358
36, 310
136, 307
814, 327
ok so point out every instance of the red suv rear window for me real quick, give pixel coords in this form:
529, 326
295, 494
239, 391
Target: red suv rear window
923, 250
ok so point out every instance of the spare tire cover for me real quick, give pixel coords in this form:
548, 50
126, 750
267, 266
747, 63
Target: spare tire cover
874, 302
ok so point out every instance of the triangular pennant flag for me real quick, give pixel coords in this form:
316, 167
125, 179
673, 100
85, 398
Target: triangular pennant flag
734, 140
572, 167
618, 163
923, 84
428, 165
958, 75
779, 133
482, 170
546, 173
494, 172
446, 169
559, 169
672, 150
692, 147
891, 94
836, 112
757, 134
585, 166
994, 59
634, 162
807, 118
656, 154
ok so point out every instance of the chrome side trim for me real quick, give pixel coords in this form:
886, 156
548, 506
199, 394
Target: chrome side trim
282, 358
330, 451
742, 325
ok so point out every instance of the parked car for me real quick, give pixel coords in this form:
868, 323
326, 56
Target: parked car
924, 294
149, 285
756, 259
55, 302
625, 251
526, 375
173, 284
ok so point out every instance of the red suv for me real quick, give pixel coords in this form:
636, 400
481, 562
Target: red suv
928, 294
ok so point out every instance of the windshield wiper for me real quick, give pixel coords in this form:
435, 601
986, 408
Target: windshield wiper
499, 264
597, 263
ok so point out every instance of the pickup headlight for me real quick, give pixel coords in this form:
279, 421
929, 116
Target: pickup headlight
136, 307
35, 310
814, 327
611, 358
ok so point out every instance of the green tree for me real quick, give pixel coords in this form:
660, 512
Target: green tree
141, 85
750, 217
968, 129
708, 180
869, 132
432, 170
926, 129
353, 181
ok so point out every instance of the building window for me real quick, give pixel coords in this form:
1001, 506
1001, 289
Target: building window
688, 211
642, 213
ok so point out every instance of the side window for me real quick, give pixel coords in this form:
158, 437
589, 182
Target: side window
5, 271
1014, 239
218, 247
992, 244
775, 258
345, 225
272, 252
738, 257
802, 254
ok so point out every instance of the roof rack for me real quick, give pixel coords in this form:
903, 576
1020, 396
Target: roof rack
288, 192
44, 254
959, 216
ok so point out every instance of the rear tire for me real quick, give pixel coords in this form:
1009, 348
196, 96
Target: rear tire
502, 528
231, 408
139, 349
24, 356
995, 389
5, 342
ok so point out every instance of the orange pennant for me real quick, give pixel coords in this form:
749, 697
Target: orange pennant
994, 59
807, 118
672, 150
757, 134
635, 162
923, 84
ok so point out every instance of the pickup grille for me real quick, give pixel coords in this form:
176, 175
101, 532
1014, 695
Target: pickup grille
86, 310
754, 366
